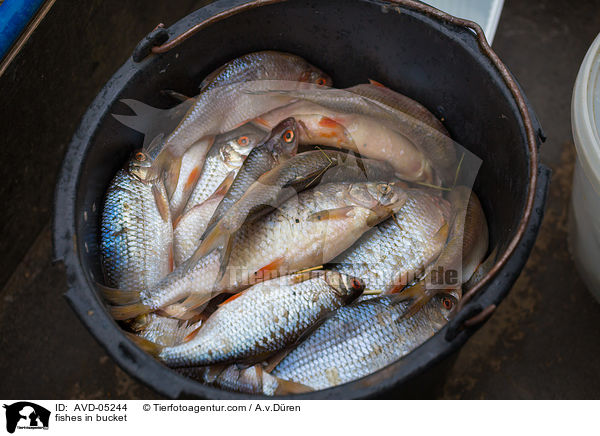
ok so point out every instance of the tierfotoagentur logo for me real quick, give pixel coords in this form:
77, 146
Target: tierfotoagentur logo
27, 416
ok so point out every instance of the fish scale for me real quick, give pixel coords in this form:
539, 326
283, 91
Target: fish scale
360, 339
264, 319
135, 241
396, 251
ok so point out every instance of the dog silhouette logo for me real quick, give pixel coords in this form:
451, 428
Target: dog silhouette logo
26, 415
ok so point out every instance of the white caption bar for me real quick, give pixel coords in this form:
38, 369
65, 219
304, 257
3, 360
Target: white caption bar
25, 417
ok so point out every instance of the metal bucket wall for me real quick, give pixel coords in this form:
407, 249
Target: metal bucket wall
429, 56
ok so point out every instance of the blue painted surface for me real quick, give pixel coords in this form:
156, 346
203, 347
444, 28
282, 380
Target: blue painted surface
14, 16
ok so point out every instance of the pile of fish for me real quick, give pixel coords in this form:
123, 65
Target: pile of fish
277, 235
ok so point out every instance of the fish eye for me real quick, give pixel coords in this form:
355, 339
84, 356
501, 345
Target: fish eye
321, 81
384, 189
243, 141
288, 135
356, 284
448, 303
140, 157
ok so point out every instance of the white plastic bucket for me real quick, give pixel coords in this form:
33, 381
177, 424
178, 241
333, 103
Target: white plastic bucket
584, 225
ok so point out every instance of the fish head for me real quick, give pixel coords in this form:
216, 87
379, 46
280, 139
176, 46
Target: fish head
234, 146
314, 75
447, 302
243, 139
346, 287
283, 140
383, 199
139, 166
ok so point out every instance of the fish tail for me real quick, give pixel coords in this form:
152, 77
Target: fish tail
286, 387
121, 313
118, 296
148, 346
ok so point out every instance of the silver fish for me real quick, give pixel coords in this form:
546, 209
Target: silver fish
265, 65
264, 319
397, 251
373, 127
282, 182
464, 251
304, 232
224, 160
360, 339
136, 234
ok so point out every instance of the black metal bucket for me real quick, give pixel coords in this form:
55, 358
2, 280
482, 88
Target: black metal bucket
439, 60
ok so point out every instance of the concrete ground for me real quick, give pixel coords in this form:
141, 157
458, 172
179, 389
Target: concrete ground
541, 343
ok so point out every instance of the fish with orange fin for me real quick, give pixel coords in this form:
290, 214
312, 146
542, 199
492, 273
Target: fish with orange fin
375, 127
305, 231
284, 181
223, 162
264, 319
397, 251
136, 235
465, 250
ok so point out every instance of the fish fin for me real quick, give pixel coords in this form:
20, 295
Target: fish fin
331, 214
442, 233
191, 181
224, 257
118, 296
286, 387
183, 309
305, 275
216, 238
213, 372
261, 122
172, 175
178, 96
276, 358
139, 323
161, 204
378, 84
266, 272
419, 296
224, 186
230, 299
121, 313
191, 335
148, 346
171, 258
